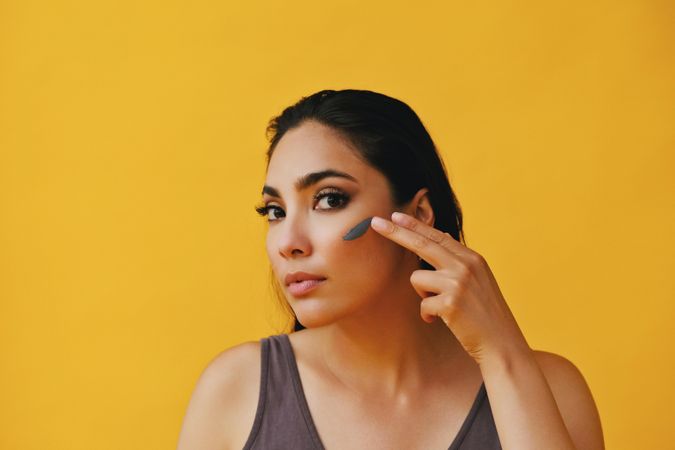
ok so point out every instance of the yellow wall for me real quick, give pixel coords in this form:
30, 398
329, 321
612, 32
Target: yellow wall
131, 156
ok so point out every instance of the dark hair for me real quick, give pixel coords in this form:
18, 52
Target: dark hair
389, 136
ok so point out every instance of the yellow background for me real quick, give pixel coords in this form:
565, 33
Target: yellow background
132, 154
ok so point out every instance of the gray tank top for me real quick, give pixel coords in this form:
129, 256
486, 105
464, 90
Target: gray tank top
283, 421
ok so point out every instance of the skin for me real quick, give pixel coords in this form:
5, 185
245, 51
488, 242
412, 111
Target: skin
392, 357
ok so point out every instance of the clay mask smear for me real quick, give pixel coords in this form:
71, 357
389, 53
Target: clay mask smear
358, 231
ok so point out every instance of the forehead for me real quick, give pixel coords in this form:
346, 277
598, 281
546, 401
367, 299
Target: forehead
312, 147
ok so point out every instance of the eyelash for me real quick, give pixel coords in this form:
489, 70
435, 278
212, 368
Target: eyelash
330, 192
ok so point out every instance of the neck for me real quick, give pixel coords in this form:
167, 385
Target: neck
388, 350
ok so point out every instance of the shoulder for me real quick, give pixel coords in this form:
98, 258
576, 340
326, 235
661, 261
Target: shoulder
574, 399
223, 404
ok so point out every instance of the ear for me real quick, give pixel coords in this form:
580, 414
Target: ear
420, 207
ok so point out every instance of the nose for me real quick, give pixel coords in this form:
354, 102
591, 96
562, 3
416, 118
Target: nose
293, 240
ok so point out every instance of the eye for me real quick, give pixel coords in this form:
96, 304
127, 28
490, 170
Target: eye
335, 198
264, 211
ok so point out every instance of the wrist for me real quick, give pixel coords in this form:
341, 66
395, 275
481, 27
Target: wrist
506, 358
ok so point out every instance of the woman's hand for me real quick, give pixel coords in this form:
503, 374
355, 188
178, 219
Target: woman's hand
461, 291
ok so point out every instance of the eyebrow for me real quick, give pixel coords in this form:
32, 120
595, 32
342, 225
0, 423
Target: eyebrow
310, 179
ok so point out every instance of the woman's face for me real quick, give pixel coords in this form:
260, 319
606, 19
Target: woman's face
306, 226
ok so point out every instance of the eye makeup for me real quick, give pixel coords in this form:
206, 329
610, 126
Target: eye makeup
358, 230
331, 193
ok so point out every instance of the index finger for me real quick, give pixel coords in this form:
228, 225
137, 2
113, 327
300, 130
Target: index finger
442, 238
429, 250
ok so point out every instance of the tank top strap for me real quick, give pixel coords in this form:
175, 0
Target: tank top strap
479, 431
282, 418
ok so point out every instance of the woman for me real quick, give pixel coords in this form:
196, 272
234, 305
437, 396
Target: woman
401, 337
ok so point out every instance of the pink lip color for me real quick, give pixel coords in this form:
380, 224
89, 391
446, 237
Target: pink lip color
303, 287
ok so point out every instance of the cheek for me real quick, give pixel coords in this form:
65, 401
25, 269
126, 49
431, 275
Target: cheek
368, 256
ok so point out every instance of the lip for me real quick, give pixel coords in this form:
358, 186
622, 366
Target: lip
294, 277
303, 287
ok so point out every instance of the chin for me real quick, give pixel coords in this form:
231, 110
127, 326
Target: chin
314, 315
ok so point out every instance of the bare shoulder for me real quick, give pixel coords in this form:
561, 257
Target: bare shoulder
574, 399
223, 404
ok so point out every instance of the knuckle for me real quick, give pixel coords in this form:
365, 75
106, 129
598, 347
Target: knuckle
445, 238
462, 285
449, 285
476, 259
464, 271
450, 307
419, 242
448, 303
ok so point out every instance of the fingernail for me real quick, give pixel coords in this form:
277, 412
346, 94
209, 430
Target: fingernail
381, 224
398, 216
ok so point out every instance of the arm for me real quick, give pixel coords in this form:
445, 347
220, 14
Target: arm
464, 293
540, 400
220, 412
